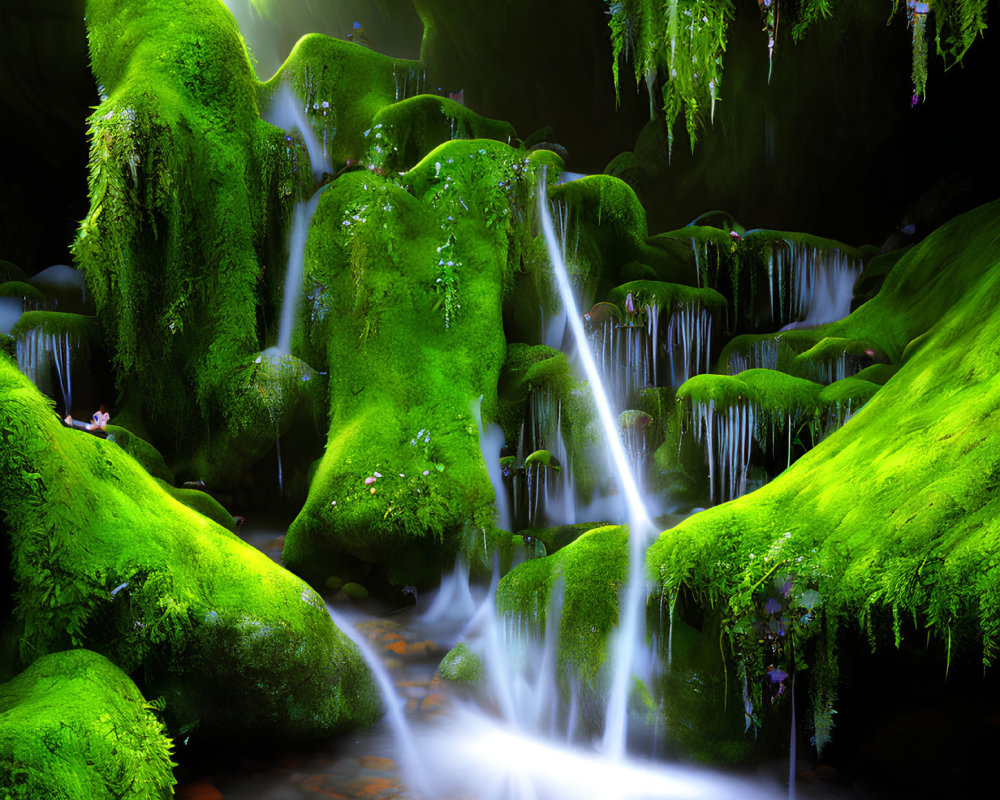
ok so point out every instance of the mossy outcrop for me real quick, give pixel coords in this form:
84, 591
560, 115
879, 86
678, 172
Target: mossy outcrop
73, 725
407, 278
103, 558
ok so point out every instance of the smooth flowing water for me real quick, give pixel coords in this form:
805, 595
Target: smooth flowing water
630, 634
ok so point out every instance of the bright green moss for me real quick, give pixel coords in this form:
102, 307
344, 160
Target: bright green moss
187, 188
345, 86
406, 290
771, 391
877, 373
200, 501
590, 573
415, 126
72, 725
667, 295
103, 558
142, 451
80, 327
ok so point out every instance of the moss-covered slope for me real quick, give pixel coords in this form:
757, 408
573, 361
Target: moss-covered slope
103, 558
73, 726
893, 516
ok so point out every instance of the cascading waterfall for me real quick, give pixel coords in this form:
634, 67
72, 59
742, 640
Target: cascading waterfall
490, 444
809, 285
640, 526
728, 435
689, 332
37, 351
761, 354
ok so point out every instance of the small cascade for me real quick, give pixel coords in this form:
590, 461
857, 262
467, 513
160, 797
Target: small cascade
38, 352
556, 327
544, 493
689, 340
761, 354
626, 358
728, 436
491, 443
410, 80
277, 453
629, 638
808, 285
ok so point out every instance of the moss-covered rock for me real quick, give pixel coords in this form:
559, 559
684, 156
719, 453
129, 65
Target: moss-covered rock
141, 450
461, 665
73, 725
188, 186
413, 127
103, 558
406, 314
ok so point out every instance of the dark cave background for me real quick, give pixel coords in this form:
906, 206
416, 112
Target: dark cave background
849, 158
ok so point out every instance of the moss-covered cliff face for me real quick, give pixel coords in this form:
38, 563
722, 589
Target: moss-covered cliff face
186, 185
73, 725
103, 558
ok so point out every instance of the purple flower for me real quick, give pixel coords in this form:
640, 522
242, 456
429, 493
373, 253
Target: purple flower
629, 303
772, 606
776, 675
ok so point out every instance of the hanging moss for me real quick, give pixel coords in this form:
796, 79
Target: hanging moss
103, 558
73, 725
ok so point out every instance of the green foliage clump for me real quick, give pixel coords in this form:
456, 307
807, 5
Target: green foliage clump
104, 559
73, 725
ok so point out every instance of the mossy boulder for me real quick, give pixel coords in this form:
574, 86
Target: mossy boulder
103, 558
73, 725
407, 277
413, 127
462, 665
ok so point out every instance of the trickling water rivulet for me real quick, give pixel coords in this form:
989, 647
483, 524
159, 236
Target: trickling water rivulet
286, 112
640, 526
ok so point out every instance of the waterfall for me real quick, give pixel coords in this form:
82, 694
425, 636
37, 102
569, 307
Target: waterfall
689, 332
640, 526
412, 763
809, 285
490, 444
37, 352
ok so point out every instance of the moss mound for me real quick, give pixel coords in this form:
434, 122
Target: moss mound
104, 559
407, 280
72, 725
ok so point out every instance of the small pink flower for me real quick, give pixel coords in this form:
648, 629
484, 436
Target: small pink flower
369, 480
377, 474
629, 303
